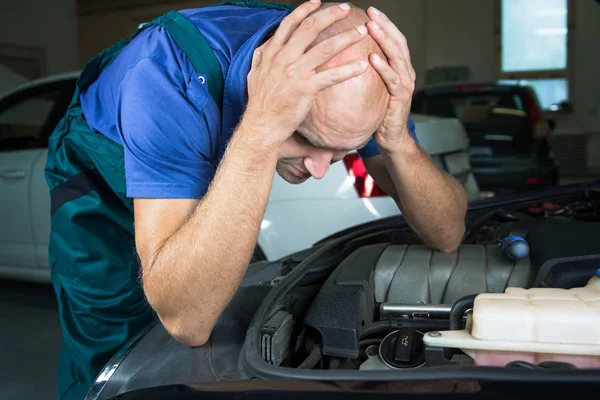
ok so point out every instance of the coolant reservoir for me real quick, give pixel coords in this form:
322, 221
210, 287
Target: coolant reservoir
532, 325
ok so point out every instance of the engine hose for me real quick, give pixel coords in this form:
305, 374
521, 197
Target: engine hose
313, 358
369, 342
458, 310
376, 327
475, 224
543, 365
384, 326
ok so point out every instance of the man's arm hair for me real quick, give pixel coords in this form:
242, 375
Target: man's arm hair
432, 202
194, 253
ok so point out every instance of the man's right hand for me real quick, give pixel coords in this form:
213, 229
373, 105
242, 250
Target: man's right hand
283, 81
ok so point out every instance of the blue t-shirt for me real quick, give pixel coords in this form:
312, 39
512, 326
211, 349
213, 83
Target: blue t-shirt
153, 102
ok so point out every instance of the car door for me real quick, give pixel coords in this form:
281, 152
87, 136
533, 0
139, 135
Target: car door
24, 128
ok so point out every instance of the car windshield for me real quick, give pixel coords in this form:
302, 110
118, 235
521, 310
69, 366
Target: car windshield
500, 114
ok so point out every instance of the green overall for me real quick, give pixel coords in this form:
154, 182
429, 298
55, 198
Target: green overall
93, 262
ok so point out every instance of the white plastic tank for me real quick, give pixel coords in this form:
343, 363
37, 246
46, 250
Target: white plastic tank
531, 325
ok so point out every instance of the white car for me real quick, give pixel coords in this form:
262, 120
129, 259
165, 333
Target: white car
296, 216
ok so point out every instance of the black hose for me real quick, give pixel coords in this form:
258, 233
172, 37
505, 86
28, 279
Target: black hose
522, 364
369, 342
543, 365
458, 310
557, 365
376, 327
313, 358
420, 324
475, 224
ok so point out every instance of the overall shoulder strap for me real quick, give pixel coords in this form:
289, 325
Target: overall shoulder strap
256, 4
197, 50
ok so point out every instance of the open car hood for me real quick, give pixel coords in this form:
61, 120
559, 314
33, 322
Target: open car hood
365, 311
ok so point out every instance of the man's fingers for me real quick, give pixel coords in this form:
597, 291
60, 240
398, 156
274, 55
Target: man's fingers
256, 58
391, 29
291, 22
329, 48
390, 48
312, 26
391, 40
333, 76
390, 77
406, 52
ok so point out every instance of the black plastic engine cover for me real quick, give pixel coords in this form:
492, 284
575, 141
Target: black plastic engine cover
346, 303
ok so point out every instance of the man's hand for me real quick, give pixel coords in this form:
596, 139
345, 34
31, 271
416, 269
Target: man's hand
283, 82
399, 76
432, 202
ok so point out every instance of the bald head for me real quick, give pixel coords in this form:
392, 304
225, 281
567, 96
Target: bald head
357, 106
356, 17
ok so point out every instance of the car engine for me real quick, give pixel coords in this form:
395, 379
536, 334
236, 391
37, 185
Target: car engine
518, 301
393, 306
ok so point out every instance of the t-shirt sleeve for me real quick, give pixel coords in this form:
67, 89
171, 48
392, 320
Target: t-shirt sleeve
166, 136
371, 148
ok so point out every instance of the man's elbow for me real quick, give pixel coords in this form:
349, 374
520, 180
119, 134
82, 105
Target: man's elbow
449, 248
188, 334
453, 239
189, 328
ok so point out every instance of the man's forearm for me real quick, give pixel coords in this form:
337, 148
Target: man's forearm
433, 203
198, 269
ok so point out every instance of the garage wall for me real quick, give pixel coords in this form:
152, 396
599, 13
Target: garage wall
101, 26
461, 32
408, 15
587, 81
50, 25
587, 65
454, 38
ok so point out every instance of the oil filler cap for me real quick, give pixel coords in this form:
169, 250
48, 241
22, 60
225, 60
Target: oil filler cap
403, 349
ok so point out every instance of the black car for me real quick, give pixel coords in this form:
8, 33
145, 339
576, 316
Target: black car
509, 136
366, 311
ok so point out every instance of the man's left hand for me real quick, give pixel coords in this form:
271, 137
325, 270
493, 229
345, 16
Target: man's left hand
399, 76
432, 202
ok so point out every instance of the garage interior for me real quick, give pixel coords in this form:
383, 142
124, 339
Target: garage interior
450, 41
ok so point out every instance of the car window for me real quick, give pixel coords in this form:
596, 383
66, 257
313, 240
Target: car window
481, 113
22, 123
497, 120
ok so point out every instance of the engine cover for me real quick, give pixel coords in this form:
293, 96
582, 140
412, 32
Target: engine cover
418, 275
345, 303
412, 274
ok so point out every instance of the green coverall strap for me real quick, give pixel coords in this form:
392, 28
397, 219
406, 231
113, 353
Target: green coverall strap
93, 262
197, 50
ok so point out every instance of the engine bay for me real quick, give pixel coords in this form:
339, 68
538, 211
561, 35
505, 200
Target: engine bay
518, 301
386, 304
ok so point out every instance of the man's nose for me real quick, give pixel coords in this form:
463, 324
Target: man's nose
317, 163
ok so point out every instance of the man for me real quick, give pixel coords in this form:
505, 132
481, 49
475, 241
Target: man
144, 146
